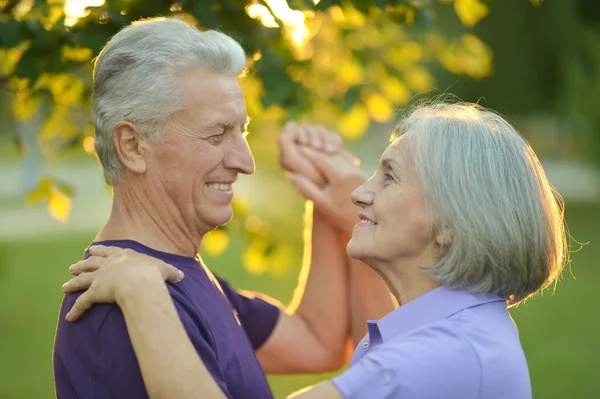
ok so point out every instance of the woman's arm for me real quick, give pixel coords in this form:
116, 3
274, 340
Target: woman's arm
169, 364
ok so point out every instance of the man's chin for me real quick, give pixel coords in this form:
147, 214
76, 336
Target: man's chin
220, 218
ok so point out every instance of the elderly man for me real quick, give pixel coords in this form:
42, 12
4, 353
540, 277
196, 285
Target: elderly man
170, 119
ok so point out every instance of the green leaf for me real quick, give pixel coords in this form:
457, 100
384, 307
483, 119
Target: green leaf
12, 33
30, 66
351, 98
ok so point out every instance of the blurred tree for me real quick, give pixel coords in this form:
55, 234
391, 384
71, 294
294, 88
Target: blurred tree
546, 62
340, 63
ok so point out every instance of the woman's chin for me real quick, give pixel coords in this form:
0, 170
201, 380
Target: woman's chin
355, 250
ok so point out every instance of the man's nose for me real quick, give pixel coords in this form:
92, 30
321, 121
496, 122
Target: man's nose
240, 157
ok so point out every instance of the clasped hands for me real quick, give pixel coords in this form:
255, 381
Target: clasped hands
322, 171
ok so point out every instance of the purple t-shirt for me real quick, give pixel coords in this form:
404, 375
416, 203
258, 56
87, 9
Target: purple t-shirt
94, 359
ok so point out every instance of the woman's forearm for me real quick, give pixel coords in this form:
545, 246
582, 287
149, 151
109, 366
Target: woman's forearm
170, 365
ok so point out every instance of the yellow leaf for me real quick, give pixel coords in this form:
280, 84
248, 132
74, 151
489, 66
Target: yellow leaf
470, 11
480, 57
40, 193
253, 258
25, 106
58, 123
77, 54
59, 206
215, 242
88, 145
470, 57
353, 17
419, 79
279, 261
353, 124
379, 107
395, 90
66, 88
405, 54
350, 72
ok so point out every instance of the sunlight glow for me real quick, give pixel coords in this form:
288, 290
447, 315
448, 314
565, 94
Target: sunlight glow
75, 9
262, 13
293, 21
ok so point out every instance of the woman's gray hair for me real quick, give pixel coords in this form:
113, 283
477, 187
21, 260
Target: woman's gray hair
489, 194
136, 77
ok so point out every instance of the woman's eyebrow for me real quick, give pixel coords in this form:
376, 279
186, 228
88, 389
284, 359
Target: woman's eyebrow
390, 163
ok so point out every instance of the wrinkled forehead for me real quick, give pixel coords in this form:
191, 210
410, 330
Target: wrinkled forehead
399, 152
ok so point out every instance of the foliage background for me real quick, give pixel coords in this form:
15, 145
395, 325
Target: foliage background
351, 66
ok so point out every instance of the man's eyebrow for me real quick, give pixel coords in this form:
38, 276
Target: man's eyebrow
227, 124
220, 124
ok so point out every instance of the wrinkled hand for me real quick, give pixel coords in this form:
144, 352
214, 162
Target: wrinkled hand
109, 272
343, 175
294, 137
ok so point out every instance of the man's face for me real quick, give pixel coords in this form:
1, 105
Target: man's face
203, 150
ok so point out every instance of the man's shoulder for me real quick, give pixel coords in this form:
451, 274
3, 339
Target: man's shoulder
102, 316
92, 320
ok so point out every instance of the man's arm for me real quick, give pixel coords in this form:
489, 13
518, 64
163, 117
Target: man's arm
312, 334
370, 298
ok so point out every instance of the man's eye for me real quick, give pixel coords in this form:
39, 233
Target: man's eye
388, 177
217, 138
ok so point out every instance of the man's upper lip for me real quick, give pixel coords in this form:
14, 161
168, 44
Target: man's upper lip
221, 181
362, 216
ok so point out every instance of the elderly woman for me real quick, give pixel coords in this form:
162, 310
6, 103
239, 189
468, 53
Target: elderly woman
459, 220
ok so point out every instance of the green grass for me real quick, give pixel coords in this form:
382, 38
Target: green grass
559, 332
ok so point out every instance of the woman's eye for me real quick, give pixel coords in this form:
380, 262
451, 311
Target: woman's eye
388, 177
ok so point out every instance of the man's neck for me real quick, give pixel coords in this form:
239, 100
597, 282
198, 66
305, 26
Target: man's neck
143, 219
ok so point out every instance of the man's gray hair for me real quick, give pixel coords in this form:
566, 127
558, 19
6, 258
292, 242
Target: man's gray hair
136, 77
488, 192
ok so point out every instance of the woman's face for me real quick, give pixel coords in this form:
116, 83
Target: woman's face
396, 225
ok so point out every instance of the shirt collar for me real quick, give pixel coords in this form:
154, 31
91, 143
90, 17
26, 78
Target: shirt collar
439, 303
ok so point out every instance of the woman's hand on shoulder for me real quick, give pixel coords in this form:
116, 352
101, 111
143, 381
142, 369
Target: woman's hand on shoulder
111, 274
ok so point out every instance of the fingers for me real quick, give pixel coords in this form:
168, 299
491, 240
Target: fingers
171, 273
90, 264
308, 189
315, 136
332, 142
82, 304
78, 283
103, 251
320, 161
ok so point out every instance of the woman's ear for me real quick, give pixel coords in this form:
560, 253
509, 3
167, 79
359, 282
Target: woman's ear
128, 142
443, 237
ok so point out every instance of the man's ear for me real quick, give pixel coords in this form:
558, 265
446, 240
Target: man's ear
129, 142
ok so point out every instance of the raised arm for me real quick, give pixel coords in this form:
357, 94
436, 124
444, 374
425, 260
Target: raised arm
369, 297
312, 334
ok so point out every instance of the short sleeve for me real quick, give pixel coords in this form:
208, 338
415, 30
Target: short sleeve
428, 365
98, 360
257, 313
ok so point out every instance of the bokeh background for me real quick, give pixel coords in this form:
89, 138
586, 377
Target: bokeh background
353, 66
